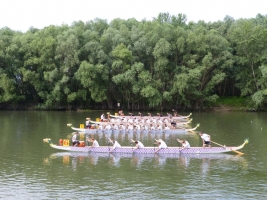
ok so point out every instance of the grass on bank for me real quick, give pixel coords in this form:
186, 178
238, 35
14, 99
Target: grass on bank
234, 103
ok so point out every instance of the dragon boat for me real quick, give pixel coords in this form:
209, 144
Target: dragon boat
140, 156
151, 117
149, 150
170, 131
127, 123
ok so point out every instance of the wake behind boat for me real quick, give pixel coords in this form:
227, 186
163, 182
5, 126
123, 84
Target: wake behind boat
148, 150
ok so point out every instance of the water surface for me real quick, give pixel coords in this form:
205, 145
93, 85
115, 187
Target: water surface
30, 169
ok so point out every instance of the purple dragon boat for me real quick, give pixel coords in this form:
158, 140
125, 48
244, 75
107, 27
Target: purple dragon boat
148, 150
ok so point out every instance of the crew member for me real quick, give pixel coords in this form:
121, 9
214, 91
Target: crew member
162, 145
138, 144
206, 139
185, 144
115, 145
102, 117
93, 140
75, 141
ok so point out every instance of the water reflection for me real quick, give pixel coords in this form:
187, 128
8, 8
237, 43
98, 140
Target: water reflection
204, 161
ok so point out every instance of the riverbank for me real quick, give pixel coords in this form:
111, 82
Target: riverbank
221, 105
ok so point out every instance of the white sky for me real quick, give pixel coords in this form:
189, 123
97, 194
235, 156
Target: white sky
22, 14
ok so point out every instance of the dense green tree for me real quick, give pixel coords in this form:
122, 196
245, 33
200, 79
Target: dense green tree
158, 64
249, 41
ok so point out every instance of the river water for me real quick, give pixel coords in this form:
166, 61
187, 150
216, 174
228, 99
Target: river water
31, 169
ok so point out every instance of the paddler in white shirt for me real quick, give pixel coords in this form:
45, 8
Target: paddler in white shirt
115, 144
138, 127
108, 127
100, 127
166, 127
115, 127
130, 127
159, 127
206, 139
122, 127
102, 117
138, 144
142, 120
124, 119
161, 143
152, 127
75, 141
185, 144
166, 120
93, 140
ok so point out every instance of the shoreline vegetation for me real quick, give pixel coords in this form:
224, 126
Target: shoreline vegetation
162, 64
223, 105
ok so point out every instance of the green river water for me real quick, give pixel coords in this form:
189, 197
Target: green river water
31, 169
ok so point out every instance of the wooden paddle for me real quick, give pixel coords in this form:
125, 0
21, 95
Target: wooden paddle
238, 152
218, 144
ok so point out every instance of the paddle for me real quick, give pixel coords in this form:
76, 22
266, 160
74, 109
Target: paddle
218, 144
238, 152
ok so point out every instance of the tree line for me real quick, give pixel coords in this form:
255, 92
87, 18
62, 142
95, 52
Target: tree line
159, 64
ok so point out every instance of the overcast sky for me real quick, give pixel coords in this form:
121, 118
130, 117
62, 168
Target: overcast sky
22, 14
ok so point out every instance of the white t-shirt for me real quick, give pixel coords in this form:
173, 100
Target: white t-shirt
162, 145
186, 144
116, 145
140, 145
108, 127
205, 137
95, 144
167, 128
74, 138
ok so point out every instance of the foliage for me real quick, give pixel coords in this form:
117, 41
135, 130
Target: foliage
160, 64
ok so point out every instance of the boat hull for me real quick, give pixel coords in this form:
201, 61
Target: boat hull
170, 131
178, 118
147, 150
127, 123
135, 155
